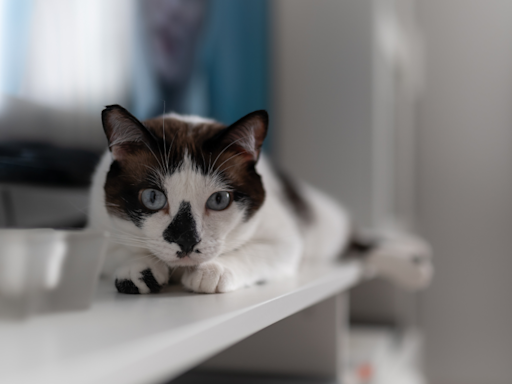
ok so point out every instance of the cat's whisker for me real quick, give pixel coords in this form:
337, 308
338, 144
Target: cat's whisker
156, 176
172, 142
155, 179
235, 155
204, 162
166, 159
226, 147
127, 236
153, 169
129, 239
120, 238
156, 158
225, 169
81, 210
157, 259
132, 241
225, 161
124, 242
162, 162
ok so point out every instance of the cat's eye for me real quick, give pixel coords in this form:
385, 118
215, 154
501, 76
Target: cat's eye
219, 201
153, 199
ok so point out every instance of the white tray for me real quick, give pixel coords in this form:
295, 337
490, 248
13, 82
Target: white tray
44, 270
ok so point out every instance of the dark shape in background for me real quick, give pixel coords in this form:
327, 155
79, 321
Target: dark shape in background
199, 57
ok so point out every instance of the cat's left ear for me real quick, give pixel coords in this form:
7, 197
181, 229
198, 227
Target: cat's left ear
247, 134
124, 132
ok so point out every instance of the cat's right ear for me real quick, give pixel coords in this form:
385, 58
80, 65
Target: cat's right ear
124, 132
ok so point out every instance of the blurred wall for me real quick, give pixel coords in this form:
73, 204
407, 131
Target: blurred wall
338, 77
323, 93
465, 189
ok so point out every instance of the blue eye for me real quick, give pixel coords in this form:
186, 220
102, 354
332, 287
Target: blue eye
153, 199
219, 201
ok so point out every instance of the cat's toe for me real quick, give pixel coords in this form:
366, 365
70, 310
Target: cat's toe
227, 282
209, 278
126, 286
149, 279
140, 278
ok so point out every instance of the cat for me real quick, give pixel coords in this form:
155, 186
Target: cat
190, 195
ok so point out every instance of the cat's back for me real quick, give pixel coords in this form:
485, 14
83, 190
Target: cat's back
324, 224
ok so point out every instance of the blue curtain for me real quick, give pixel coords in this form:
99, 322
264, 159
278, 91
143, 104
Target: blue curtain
236, 58
233, 61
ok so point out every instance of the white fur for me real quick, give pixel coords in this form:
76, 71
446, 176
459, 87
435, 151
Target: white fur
234, 252
192, 119
248, 142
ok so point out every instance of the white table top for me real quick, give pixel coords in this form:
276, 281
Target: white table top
151, 338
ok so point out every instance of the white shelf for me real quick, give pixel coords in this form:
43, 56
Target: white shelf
151, 338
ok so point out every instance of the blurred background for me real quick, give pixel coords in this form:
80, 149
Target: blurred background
401, 109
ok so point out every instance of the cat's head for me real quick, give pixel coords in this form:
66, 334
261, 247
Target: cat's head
185, 187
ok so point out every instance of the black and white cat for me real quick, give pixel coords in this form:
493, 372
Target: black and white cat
188, 194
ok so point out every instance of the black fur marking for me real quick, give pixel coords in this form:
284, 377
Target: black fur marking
125, 196
150, 281
292, 194
126, 286
361, 246
182, 230
245, 203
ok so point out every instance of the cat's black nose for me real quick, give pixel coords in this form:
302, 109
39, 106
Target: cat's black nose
186, 246
182, 230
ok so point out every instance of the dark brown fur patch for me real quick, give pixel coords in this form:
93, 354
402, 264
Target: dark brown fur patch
361, 245
293, 196
170, 140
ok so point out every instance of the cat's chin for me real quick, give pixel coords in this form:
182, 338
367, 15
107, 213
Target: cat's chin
187, 261
184, 262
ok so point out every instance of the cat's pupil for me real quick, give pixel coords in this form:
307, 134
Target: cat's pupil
218, 201
153, 199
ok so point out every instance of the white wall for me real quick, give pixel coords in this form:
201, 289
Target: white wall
335, 84
465, 189
323, 96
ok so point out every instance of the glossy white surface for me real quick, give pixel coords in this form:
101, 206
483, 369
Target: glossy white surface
151, 338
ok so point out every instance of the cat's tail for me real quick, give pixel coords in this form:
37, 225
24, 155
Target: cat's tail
404, 259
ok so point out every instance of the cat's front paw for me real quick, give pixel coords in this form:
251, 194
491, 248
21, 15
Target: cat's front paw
209, 277
141, 277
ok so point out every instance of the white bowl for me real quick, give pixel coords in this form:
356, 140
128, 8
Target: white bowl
43, 270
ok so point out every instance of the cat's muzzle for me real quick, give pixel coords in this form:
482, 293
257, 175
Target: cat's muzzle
182, 230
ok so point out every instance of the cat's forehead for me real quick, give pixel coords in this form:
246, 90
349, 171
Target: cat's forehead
187, 184
183, 130
191, 119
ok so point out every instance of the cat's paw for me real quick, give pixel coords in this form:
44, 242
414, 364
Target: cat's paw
211, 277
141, 277
404, 259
